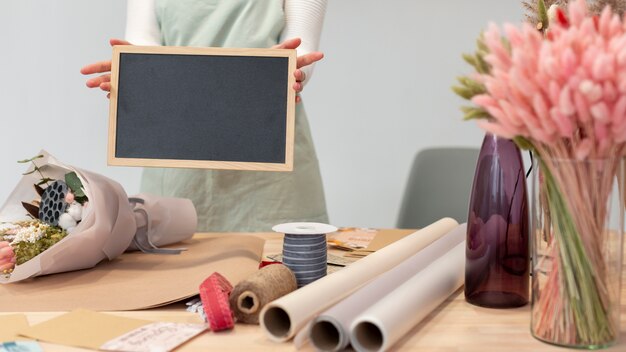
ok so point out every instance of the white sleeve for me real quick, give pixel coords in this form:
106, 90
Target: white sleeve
142, 27
304, 20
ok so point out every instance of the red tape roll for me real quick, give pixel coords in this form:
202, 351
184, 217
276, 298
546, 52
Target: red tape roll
214, 292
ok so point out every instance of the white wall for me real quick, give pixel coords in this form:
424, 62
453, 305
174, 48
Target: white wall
381, 94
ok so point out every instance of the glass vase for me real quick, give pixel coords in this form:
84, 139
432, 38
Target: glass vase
577, 224
497, 253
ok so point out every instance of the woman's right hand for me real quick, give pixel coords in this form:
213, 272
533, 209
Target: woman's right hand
104, 80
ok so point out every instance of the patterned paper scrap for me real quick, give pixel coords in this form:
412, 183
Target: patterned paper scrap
20, 346
154, 337
351, 238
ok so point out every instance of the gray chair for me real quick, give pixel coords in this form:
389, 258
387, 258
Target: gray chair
439, 186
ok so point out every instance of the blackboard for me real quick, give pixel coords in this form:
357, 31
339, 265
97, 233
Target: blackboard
211, 108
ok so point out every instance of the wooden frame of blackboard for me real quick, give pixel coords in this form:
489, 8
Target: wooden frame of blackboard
287, 165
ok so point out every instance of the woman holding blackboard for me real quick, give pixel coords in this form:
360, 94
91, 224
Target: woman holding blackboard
231, 201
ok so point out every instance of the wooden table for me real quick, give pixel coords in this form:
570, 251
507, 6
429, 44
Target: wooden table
454, 326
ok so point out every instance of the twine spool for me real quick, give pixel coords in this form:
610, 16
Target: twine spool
305, 249
253, 293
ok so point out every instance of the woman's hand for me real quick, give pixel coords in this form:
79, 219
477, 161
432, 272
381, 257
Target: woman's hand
302, 61
103, 81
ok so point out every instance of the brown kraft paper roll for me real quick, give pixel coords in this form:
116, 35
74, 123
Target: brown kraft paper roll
253, 293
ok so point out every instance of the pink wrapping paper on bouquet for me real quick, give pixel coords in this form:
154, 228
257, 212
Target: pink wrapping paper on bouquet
111, 223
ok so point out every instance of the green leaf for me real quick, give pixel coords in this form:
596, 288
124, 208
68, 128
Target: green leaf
73, 182
30, 172
44, 181
470, 59
480, 44
81, 199
523, 143
542, 12
474, 113
463, 92
482, 65
31, 159
473, 86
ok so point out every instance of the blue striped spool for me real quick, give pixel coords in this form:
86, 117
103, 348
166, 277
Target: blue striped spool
297, 252
309, 255
305, 249
309, 261
296, 268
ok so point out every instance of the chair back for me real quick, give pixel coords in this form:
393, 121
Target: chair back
439, 185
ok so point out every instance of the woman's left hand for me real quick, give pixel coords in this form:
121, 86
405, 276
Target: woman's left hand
302, 61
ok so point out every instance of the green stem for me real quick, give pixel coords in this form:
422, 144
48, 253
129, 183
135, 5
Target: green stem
591, 318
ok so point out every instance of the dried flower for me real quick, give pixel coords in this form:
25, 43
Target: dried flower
69, 197
66, 221
533, 7
563, 94
570, 88
7, 257
76, 211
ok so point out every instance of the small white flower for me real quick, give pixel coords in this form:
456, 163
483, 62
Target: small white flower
76, 211
552, 13
30, 233
66, 221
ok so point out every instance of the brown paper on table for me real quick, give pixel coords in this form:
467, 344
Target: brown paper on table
83, 328
10, 325
136, 280
382, 239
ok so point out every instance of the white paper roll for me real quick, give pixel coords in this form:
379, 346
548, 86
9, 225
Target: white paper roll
383, 324
284, 317
330, 330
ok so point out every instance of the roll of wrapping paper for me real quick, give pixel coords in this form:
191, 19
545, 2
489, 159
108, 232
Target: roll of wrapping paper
330, 330
284, 317
384, 323
252, 294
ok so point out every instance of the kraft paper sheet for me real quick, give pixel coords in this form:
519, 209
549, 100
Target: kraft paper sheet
83, 328
336, 321
136, 280
10, 325
394, 315
283, 318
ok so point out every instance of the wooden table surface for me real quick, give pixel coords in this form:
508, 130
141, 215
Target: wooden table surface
454, 326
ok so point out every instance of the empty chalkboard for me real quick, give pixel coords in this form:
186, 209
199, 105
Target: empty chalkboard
202, 108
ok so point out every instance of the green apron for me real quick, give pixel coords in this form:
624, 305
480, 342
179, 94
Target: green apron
238, 201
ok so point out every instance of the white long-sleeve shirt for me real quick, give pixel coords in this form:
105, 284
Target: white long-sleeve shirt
303, 19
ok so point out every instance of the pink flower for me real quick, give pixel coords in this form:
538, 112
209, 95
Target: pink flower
558, 88
69, 198
7, 257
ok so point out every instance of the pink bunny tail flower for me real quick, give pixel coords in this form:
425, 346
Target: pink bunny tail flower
577, 12
564, 124
7, 257
583, 149
619, 111
496, 129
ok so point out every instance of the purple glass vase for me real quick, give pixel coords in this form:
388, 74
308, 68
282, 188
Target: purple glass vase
497, 253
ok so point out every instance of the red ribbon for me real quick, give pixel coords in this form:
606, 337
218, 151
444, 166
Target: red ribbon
214, 292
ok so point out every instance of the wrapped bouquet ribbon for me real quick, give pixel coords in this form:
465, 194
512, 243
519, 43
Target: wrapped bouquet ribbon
109, 225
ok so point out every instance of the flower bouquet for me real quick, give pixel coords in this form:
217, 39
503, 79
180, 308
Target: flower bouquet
558, 88
60, 218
